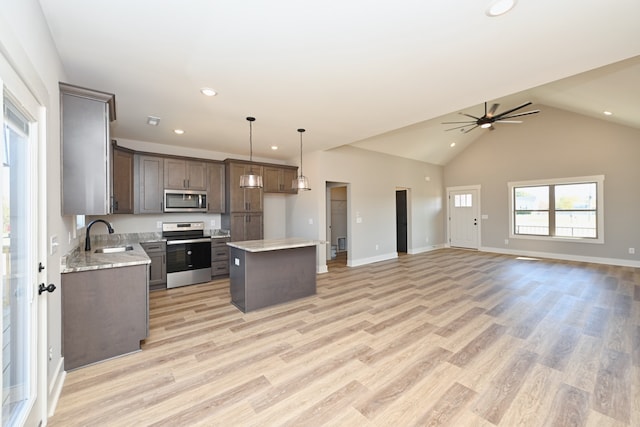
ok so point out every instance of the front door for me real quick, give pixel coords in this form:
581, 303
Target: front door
23, 330
464, 210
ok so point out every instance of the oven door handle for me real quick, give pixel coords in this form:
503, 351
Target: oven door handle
179, 242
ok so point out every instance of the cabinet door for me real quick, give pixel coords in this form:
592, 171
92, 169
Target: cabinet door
236, 226
196, 175
86, 154
253, 226
288, 175
122, 181
150, 184
157, 269
175, 174
253, 196
215, 188
235, 193
272, 180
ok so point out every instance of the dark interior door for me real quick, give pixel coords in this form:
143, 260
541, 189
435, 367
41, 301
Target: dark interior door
401, 220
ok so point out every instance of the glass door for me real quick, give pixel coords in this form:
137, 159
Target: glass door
18, 265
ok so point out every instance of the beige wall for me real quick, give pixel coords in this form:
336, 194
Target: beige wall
556, 144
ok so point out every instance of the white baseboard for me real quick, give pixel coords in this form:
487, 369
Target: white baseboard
564, 257
378, 258
425, 249
55, 388
322, 269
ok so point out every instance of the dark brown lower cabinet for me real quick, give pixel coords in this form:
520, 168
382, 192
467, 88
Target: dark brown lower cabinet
157, 252
105, 313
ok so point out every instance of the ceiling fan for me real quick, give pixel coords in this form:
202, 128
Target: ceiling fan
490, 117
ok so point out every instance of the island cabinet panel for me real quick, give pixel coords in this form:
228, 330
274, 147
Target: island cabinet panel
215, 188
262, 279
148, 184
122, 180
105, 313
180, 174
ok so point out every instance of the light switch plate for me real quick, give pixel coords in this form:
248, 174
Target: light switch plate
236, 261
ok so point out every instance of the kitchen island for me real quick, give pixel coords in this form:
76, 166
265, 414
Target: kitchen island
263, 273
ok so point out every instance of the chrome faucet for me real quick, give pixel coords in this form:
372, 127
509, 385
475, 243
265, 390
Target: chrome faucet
87, 239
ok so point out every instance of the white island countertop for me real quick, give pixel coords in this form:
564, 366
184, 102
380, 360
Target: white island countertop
273, 244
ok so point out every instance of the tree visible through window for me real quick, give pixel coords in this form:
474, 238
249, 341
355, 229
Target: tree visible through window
568, 208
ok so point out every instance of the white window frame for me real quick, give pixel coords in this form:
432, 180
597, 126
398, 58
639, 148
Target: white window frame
598, 179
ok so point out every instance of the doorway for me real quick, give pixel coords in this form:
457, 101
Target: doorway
337, 224
401, 221
464, 217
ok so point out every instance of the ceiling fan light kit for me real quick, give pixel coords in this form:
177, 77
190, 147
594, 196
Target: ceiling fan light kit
490, 117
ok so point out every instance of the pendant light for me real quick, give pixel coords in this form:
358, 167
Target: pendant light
250, 180
300, 182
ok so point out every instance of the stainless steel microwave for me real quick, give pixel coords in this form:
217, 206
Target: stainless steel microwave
185, 201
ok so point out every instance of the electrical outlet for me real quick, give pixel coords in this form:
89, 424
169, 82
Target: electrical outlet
213, 223
53, 245
632, 251
158, 224
506, 241
377, 247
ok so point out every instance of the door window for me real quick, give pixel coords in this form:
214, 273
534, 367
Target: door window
18, 338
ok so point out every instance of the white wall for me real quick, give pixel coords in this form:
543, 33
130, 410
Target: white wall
372, 180
556, 144
25, 43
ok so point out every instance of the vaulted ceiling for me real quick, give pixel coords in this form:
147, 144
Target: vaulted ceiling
379, 75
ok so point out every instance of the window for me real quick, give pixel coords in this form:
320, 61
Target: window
560, 209
463, 200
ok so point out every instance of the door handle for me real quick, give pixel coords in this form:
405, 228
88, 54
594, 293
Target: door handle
43, 288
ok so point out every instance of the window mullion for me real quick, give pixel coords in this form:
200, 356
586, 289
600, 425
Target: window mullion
552, 210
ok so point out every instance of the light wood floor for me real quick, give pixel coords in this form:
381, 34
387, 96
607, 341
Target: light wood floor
450, 337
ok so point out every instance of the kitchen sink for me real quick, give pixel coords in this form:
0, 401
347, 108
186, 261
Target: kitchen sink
114, 249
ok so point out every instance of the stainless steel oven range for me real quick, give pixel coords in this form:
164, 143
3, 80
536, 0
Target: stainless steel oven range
188, 253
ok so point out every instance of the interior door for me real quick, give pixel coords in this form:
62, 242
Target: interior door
464, 211
23, 226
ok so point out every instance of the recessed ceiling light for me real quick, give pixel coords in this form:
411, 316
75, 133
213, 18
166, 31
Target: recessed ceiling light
500, 7
453, 144
274, 147
607, 113
178, 131
207, 91
153, 120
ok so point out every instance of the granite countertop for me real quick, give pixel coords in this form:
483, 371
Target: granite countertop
79, 260
273, 244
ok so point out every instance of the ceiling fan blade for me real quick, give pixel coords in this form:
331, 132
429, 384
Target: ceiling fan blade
526, 113
469, 130
492, 111
512, 110
508, 121
469, 115
460, 127
454, 123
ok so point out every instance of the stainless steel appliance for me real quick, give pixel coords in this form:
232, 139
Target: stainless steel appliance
188, 253
185, 201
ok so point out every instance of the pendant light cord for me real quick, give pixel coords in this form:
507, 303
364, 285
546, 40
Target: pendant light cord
301, 131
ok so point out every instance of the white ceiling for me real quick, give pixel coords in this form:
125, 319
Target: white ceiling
380, 75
